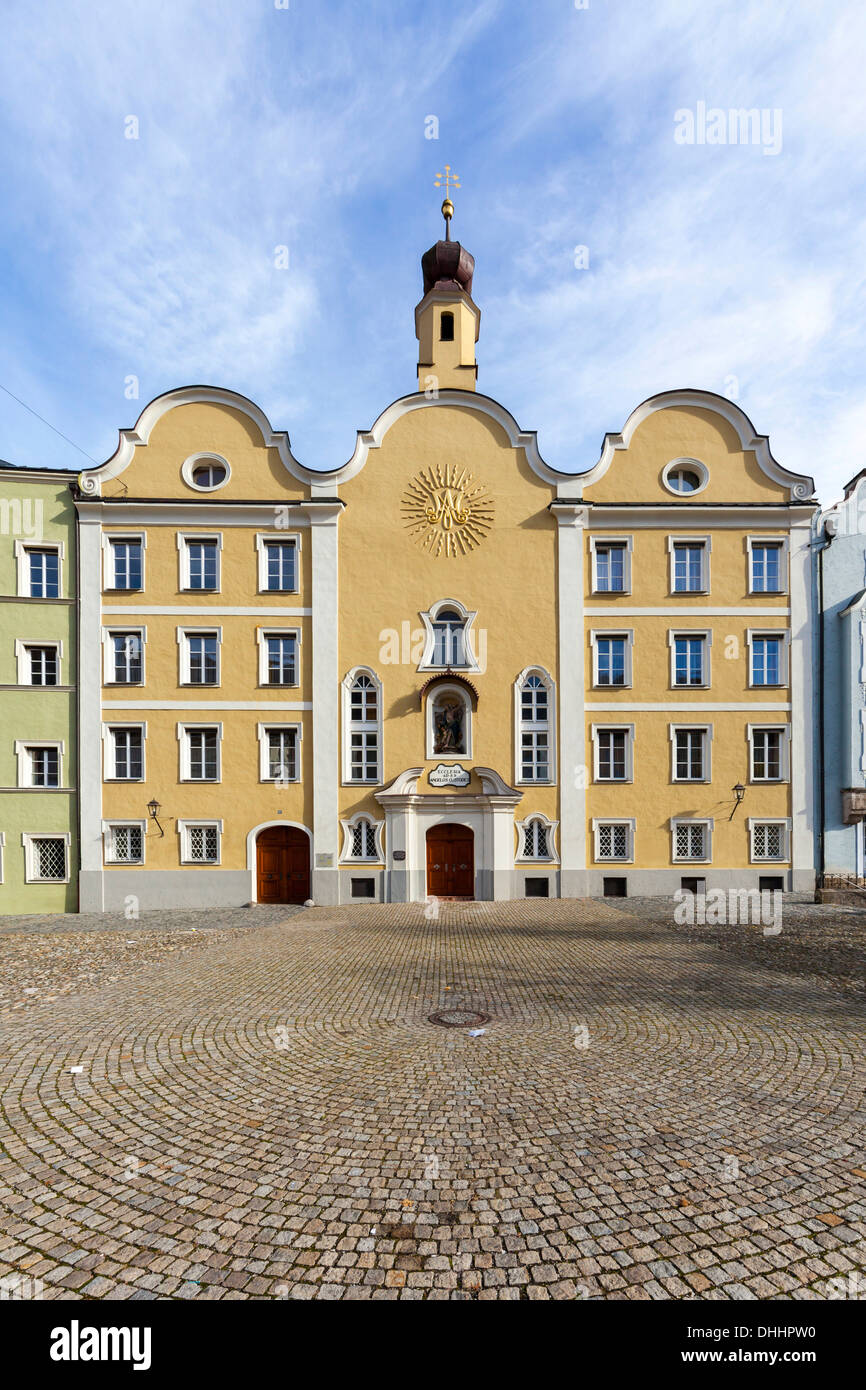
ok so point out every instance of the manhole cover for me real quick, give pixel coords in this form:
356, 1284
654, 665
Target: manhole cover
458, 1018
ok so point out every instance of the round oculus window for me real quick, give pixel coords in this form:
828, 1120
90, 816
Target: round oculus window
684, 476
208, 475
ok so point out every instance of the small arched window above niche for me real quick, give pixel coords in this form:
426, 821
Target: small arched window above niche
446, 327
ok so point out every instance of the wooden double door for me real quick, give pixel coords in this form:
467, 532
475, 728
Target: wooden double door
282, 865
450, 861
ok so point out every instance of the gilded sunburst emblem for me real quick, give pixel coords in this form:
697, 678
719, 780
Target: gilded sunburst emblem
446, 511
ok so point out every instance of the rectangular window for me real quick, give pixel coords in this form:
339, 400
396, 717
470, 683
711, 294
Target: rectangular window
688, 567
612, 755
364, 763
766, 576
281, 660
203, 656
203, 561
126, 663
767, 755
689, 755
42, 665
282, 754
690, 840
281, 566
127, 754
48, 859
43, 572
769, 840
202, 844
535, 756
125, 844
610, 660
125, 564
613, 840
44, 765
203, 752
610, 567
767, 660
689, 660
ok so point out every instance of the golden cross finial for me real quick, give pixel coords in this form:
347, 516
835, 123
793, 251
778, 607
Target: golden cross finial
450, 180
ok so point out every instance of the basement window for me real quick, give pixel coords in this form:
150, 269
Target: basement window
363, 888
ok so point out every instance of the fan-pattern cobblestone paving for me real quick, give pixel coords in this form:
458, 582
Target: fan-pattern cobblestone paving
273, 1116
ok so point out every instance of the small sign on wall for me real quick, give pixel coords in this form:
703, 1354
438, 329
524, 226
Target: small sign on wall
399, 855
449, 776
324, 861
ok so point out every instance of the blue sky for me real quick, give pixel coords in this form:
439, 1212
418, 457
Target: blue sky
711, 266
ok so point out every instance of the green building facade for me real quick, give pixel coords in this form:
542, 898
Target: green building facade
38, 680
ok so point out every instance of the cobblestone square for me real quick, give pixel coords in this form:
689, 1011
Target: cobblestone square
646, 1113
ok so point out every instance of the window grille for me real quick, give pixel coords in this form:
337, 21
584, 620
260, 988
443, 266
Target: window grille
613, 841
49, 859
536, 840
690, 841
203, 843
768, 840
127, 844
363, 840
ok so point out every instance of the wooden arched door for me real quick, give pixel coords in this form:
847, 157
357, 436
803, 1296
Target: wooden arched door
450, 861
282, 865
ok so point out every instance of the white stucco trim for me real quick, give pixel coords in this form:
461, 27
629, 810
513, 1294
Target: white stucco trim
22, 549
693, 465
119, 823
706, 636
277, 537
551, 826
108, 636
799, 486
184, 730
571, 522
92, 480
262, 635
446, 687
219, 611
188, 466
186, 538
324, 549
708, 823
706, 544
191, 823
695, 611
619, 728
784, 547
23, 665
108, 761
598, 822
603, 538
625, 634
183, 634
262, 731
90, 728
706, 732
23, 747
27, 839
802, 676
348, 826
109, 536
444, 605
550, 728
785, 822
784, 636
784, 753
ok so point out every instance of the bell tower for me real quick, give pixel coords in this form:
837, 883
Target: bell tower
447, 320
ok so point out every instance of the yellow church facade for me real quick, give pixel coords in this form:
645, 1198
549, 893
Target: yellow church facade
444, 669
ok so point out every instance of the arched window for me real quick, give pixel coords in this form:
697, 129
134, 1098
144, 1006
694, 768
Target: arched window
536, 838
534, 726
449, 639
446, 328
362, 727
362, 840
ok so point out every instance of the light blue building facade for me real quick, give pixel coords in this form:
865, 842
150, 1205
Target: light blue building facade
840, 577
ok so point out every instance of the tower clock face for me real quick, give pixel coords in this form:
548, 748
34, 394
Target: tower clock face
445, 511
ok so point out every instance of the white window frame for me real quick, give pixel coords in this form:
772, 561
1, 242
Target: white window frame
262, 635
366, 727
782, 542
183, 732
446, 687
348, 826
602, 539
185, 660
629, 731
189, 465
22, 659
520, 728
262, 731
183, 540
265, 538
784, 753
27, 839
706, 635
597, 824
690, 465
675, 539
708, 824
622, 634
784, 634
706, 732
430, 617
108, 636
108, 829
785, 822
23, 748
204, 823
22, 548
108, 571
551, 827
108, 762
